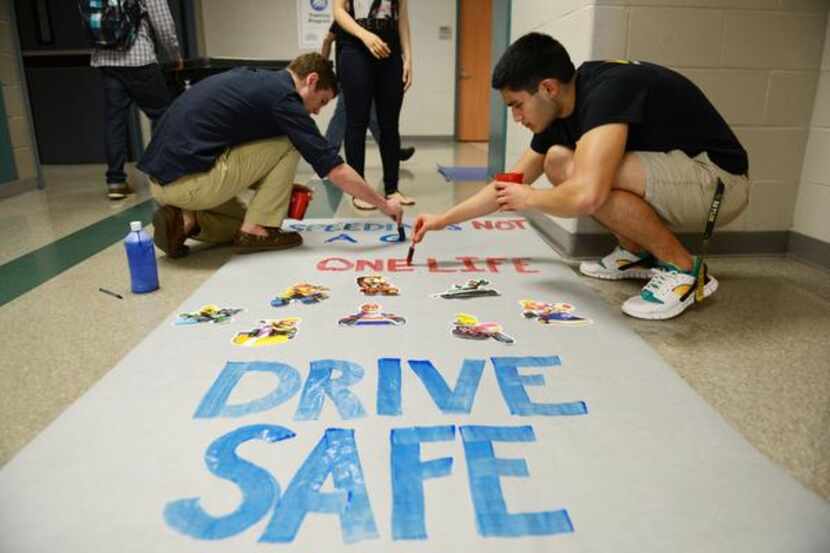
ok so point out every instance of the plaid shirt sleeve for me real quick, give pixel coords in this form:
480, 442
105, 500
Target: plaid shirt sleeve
143, 51
163, 25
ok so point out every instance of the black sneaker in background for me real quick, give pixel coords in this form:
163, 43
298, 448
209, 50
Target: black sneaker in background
407, 153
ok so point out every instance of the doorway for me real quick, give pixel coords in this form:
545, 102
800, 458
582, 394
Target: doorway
473, 74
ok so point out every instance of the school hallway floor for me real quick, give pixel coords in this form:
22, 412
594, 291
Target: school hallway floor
757, 351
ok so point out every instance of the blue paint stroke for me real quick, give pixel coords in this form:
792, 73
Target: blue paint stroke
484, 470
408, 475
259, 489
388, 401
459, 400
396, 237
320, 382
342, 236
512, 386
214, 404
335, 454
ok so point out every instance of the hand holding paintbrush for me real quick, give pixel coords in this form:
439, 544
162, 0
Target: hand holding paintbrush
423, 223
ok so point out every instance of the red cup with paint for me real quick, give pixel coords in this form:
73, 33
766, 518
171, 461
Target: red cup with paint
510, 177
300, 198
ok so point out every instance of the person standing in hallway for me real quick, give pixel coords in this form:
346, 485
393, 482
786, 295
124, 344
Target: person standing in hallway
134, 75
375, 63
634, 145
241, 129
336, 130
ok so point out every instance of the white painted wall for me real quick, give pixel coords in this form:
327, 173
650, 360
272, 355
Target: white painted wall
569, 21
758, 62
268, 29
813, 203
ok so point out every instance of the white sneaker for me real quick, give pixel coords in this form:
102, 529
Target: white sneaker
668, 294
619, 264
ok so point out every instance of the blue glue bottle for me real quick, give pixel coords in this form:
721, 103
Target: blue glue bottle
141, 255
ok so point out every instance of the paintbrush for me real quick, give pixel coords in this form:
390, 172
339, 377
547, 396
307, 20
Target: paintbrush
411, 252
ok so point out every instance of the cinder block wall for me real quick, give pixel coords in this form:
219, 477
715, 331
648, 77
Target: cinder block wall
813, 203
758, 61
571, 23
12, 81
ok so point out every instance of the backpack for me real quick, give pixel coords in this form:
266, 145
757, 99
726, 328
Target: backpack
111, 24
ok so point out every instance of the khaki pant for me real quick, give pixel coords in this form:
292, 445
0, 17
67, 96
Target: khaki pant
680, 188
268, 166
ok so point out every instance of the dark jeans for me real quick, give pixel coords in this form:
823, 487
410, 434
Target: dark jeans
122, 86
336, 130
365, 79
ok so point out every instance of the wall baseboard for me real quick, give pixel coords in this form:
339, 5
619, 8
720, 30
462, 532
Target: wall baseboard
782, 242
406, 139
810, 250
15, 187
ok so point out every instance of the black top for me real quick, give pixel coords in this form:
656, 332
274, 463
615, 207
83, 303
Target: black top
386, 28
228, 109
664, 111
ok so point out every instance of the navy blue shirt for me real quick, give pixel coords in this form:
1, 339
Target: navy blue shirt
228, 109
663, 109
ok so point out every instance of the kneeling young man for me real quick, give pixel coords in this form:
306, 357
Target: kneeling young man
241, 129
634, 145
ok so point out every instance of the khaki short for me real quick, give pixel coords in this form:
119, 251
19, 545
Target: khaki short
681, 188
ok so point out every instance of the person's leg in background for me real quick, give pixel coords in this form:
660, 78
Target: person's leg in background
117, 103
388, 100
337, 124
336, 129
149, 90
357, 81
374, 128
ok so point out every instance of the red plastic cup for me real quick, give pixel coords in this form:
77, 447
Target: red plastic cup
510, 177
300, 198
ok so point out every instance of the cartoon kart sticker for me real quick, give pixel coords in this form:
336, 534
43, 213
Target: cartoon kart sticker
552, 313
468, 327
207, 314
371, 314
373, 285
473, 288
268, 332
303, 292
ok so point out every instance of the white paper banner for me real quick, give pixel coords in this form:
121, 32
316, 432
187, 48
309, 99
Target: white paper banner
482, 399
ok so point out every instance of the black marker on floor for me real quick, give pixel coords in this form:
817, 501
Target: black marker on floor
110, 293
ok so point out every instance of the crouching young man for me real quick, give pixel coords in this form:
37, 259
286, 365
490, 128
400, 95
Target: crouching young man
245, 128
634, 145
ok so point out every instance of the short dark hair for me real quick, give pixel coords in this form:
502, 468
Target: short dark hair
533, 58
312, 62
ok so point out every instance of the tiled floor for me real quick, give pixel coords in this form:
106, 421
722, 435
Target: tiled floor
757, 351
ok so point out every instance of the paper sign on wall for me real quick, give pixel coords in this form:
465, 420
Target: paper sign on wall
314, 17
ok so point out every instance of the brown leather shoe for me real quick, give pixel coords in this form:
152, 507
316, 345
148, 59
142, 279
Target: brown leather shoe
119, 190
168, 231
276, 240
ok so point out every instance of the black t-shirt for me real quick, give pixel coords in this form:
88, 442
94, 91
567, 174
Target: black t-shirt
228, 109
664, 110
